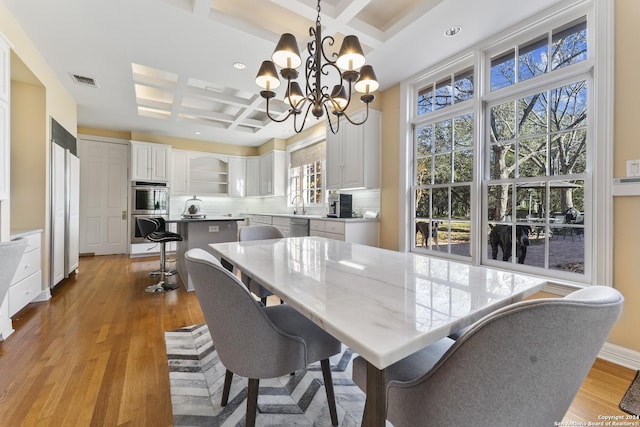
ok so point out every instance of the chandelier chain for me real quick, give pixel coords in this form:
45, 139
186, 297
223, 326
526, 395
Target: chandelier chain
318, 18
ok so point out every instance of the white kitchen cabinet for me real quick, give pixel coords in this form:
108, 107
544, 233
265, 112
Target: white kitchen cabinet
362, 232
253, 176
27, 282
353, 154
282, 224
272, 173
179, 182
237, 176
259, 219
208, 173
5, 84
150, 162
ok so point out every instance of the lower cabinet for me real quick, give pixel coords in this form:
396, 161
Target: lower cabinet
282, 224
27, 282
363, 232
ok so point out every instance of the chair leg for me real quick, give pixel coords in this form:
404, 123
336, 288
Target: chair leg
328, 388
228, 376
252, 402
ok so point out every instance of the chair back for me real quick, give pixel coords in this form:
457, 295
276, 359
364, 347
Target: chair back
520, 366
259, 232
242, 334
147, 225
10, 255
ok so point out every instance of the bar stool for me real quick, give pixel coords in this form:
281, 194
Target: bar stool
153, 230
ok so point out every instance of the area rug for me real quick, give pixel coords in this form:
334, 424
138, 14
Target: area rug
196, 376
630, 402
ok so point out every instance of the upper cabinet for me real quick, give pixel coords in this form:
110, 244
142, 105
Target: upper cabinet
237, 176
199, 173
4, 118
208, 173
253, 176
272, 173
150, 162
353, 154
179, 182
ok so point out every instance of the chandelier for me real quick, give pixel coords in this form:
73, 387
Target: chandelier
342, 68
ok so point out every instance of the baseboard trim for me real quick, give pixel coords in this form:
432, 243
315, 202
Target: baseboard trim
620, 356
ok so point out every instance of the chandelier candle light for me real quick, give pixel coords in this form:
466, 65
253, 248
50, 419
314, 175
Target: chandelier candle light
316, 98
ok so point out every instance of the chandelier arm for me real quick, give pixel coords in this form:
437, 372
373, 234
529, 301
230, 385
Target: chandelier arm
363, 120
304, 120
276, 119
337, 127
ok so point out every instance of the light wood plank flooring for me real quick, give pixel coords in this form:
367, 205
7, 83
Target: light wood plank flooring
95, 355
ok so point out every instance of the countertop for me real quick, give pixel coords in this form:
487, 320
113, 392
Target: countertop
179, 218
14, 234
319, 217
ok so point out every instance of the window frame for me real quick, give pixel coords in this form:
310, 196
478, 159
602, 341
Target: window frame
298, 146
599, 64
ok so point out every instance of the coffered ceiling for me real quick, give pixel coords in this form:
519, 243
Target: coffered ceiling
166, 67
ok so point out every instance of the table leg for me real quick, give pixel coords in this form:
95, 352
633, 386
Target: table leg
375, 404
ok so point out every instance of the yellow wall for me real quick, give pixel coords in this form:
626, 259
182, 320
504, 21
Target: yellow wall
626, 253
390, 176
28, 157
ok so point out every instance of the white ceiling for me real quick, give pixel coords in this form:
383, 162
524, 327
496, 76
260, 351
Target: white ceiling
165, 67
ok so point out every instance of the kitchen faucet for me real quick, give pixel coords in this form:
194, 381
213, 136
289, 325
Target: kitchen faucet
295, 209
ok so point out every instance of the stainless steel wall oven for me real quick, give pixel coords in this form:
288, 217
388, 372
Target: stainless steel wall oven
148, 199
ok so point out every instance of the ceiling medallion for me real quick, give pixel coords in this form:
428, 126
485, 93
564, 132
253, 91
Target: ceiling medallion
346, 68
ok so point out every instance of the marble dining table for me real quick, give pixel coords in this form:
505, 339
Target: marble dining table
383, 304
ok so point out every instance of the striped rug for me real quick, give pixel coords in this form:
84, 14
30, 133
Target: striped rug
196, 377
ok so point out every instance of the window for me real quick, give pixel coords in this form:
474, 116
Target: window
534, 166
305, 173
443, 170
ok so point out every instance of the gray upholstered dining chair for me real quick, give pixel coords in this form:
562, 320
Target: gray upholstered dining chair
10, 255
519, 366
258, 232
254, 341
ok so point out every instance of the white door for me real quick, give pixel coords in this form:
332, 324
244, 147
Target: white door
57, 214
103, 196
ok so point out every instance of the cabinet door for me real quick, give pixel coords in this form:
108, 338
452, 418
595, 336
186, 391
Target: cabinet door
253, 176
333, 164
5, 69
178, 184
160, 162
353, 149
141, 155
237, 176
5, 154
266, 174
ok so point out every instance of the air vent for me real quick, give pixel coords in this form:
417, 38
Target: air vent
84, 81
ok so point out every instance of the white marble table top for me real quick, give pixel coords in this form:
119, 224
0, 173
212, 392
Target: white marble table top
383, 304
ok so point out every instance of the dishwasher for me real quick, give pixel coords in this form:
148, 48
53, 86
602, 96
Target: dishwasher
298, 227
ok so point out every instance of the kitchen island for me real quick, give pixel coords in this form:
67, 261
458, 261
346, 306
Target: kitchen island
198, 233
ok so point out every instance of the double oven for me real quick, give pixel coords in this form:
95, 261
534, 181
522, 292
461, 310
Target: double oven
148, 199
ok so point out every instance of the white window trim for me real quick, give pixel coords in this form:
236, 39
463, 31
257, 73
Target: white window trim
600, 15
297, 146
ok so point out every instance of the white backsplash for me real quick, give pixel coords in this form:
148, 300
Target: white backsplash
363, 200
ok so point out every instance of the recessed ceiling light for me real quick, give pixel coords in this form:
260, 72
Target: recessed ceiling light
239, 66
453, 31
197, 133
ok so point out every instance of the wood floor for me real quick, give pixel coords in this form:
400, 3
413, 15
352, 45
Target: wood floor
94, 354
